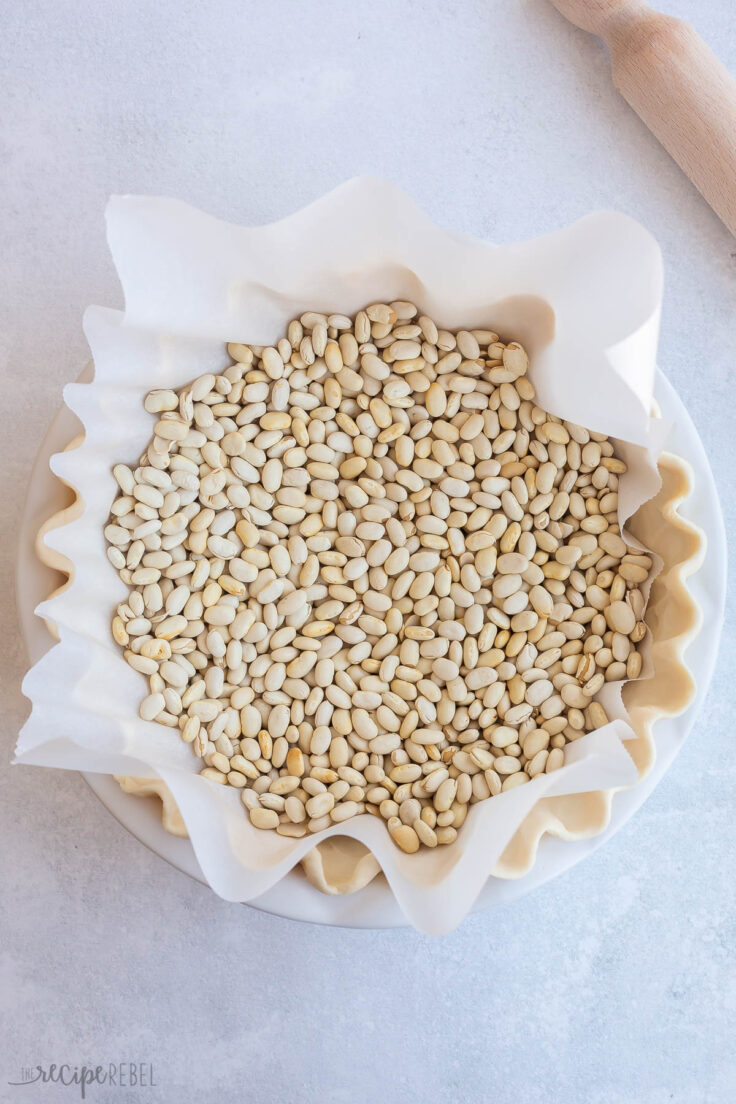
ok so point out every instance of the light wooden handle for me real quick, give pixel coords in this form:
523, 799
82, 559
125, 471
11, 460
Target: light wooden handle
676, 85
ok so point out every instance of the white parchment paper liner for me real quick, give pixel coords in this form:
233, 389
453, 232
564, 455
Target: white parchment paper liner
585, 301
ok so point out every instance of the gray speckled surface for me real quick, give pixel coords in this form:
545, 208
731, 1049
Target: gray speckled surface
613, 985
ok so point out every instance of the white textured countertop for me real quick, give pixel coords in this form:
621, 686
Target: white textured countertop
616, 983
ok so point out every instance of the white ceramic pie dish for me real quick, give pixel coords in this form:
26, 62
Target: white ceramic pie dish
585, 301
375, 906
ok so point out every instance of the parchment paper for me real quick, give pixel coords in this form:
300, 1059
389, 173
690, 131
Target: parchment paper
585, 301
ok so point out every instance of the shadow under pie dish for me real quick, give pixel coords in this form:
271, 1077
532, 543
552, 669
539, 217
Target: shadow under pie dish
165, 376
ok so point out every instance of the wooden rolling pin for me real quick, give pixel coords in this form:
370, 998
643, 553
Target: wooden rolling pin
676, 85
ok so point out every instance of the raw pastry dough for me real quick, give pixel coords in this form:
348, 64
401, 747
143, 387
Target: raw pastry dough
342, 865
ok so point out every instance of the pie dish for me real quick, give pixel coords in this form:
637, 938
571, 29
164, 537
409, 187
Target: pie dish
369, 234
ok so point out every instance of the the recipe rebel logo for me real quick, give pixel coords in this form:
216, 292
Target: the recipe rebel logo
122, 1075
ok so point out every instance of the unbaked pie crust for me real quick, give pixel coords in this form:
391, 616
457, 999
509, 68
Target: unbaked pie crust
342, 865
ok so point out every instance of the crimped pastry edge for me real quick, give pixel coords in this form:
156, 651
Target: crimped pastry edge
342, 865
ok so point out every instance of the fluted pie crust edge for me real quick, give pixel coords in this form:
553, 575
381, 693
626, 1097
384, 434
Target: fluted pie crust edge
342, 865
